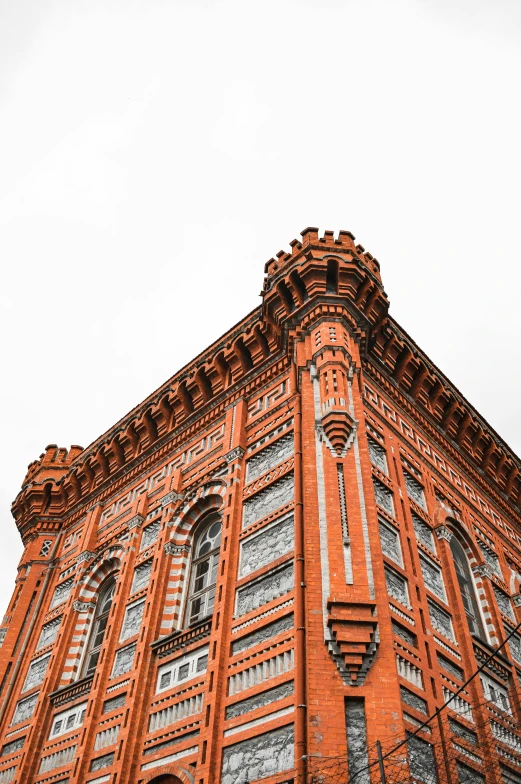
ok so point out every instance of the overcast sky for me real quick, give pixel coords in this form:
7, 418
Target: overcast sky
153, 155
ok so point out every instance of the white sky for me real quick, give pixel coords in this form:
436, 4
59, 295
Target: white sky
153, 155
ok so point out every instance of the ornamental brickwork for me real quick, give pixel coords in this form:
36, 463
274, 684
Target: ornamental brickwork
292, 553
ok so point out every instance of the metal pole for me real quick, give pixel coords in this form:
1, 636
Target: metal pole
380, 761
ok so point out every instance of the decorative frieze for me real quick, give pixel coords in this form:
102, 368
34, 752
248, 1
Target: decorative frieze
258, 673
259, 757
441, 621
268, 500
260, 592
102, 762
181, 710
114, 703
12, 747
453, 670
463, 732
267, 545
404, 634
58, 759
490, 557
467, 775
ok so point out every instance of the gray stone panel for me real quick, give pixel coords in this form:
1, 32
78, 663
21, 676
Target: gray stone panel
357, 755
269, 457
263, 634
441, 621
405, 634
383, 496
150, 534
124, 661
267, 545
462, 732
132, 621
259, 700
36, 673
260, 592
423, 532
377, 454
412, 700
449, 667
268, 500
432, 578
468, 775
421, 760
49, 633
259, 757
504, 603
390, 541
25, 709
414, 489
397, 586
141, 576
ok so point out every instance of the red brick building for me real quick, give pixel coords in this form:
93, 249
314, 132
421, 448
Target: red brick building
303, 543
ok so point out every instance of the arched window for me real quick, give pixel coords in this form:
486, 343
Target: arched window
99, 624
201, 594
468, 593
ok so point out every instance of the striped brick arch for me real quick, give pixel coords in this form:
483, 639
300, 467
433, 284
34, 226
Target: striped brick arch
97, 573
170, 774
208, 498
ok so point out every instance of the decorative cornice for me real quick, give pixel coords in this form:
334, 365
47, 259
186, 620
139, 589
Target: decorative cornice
175, 549
483, 570
136, 521
442, 532
86, 555
235, 454
170, 498
80, 606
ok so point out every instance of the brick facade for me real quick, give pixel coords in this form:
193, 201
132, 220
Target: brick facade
281, 536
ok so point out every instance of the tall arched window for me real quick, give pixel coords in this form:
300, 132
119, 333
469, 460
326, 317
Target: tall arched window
99, 624
468, 593
201, 594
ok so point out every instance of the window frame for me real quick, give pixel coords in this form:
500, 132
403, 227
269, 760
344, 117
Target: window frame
212, 557
109, 585
478, 627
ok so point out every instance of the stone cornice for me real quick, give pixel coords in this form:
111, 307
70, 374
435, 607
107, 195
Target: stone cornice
406, 367
432, 431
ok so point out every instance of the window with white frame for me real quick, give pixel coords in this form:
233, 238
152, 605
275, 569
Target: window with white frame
99, 625
467, 589
201, 592
496, 693
183, 669
68, 720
